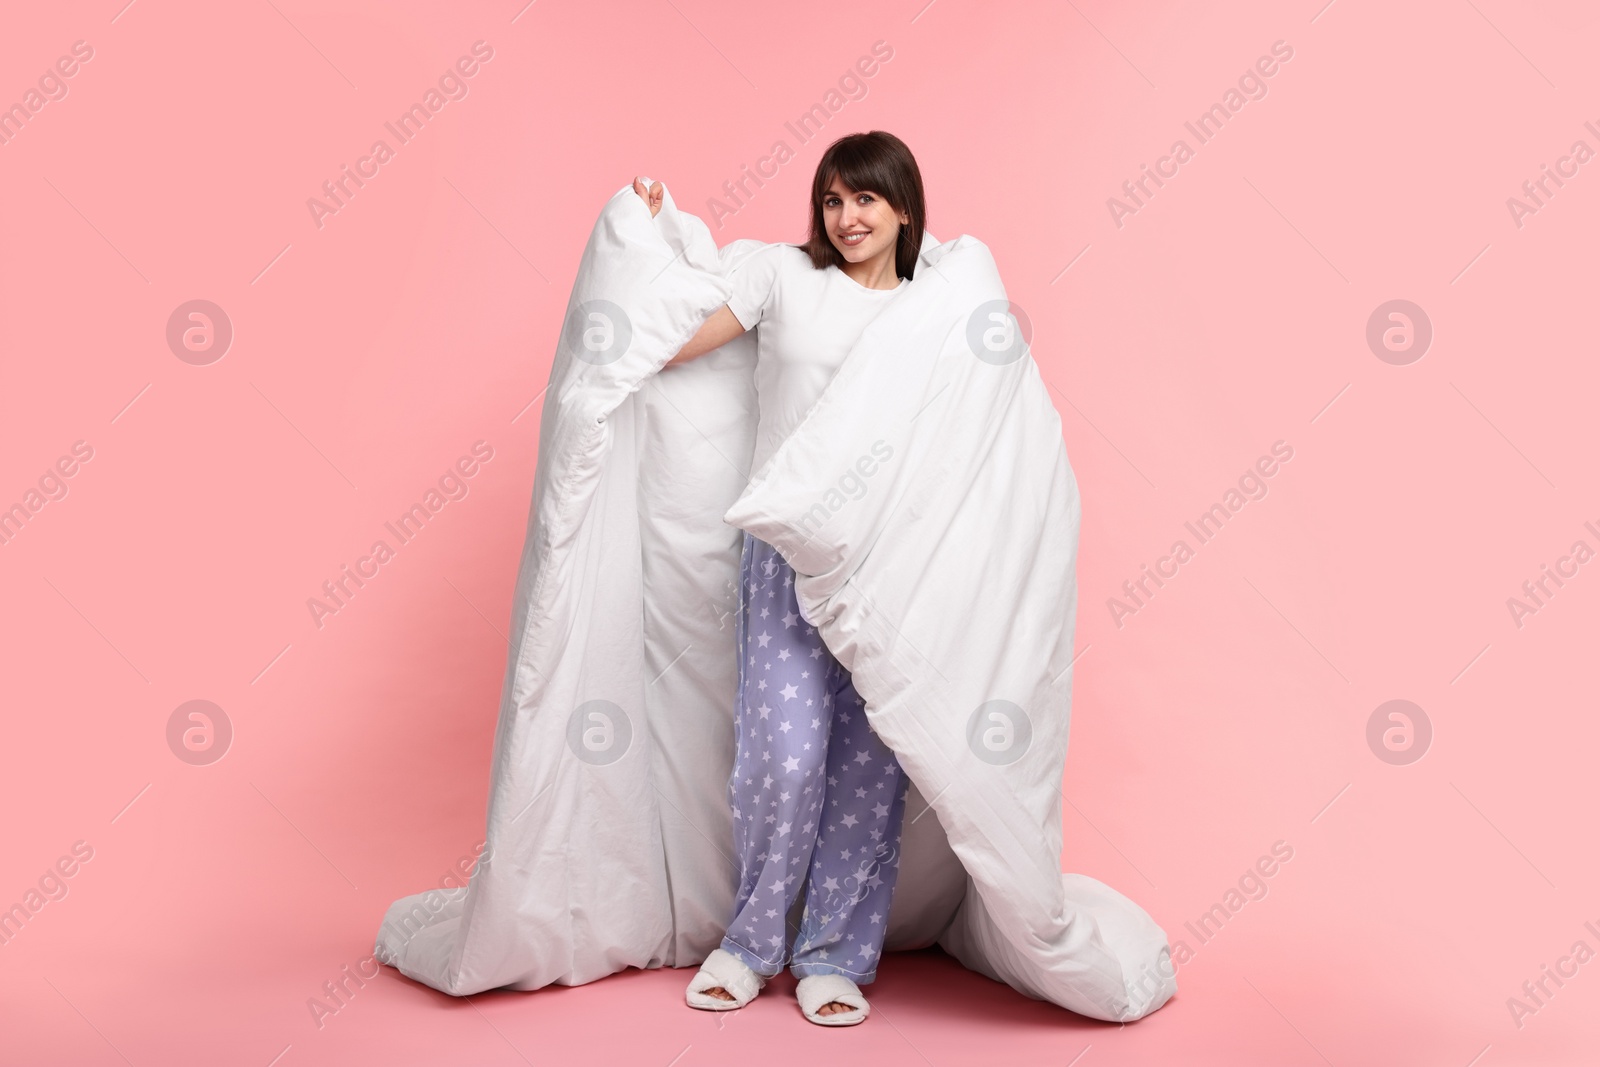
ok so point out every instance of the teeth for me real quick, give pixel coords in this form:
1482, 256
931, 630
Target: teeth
853, 238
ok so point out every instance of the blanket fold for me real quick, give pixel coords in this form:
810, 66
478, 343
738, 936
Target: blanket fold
928, 508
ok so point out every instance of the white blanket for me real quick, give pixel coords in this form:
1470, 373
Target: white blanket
928, 508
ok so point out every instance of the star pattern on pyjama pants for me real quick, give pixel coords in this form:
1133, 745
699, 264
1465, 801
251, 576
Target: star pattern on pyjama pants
817, 797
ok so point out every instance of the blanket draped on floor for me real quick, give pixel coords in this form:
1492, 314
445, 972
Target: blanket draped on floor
929, 511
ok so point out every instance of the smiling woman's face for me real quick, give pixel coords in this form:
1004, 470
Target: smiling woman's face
861, 224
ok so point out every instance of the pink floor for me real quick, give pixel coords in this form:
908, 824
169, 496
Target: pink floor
1403, 153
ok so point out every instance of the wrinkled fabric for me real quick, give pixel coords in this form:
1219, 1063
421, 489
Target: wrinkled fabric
929, 511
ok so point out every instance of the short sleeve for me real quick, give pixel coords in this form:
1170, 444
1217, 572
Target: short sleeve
754, 282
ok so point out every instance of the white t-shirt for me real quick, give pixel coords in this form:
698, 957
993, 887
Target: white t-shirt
810, 319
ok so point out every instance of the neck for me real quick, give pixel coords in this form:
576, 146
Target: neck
875, 273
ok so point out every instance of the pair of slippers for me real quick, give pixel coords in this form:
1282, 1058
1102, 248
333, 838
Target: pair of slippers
724, 969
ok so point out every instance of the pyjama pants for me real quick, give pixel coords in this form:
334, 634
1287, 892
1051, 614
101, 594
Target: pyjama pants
817, 798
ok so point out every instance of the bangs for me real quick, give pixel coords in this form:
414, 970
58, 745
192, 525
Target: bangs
860, 171
874, 162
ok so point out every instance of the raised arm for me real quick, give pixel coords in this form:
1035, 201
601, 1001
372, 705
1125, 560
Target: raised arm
717, 330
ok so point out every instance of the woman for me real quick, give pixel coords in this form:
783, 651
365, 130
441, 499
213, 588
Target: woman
817, 798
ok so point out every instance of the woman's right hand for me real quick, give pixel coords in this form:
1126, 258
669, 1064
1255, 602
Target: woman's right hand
651, 196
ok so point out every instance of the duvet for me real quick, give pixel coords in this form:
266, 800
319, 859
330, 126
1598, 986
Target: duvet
928, 508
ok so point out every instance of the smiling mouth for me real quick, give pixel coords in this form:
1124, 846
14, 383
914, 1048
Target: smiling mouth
854, 238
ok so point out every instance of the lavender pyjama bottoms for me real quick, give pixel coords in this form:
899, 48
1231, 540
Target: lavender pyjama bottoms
817, 798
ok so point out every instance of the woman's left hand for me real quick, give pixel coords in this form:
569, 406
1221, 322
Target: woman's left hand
651, 196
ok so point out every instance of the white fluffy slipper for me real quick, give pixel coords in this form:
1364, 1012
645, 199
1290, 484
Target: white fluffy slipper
815, 990
723, 968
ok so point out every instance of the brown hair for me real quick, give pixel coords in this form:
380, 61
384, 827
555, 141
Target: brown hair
875, 162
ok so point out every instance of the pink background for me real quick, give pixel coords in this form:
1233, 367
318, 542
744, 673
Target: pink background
1228, 313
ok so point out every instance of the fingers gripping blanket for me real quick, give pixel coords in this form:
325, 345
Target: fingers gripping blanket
929, 511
